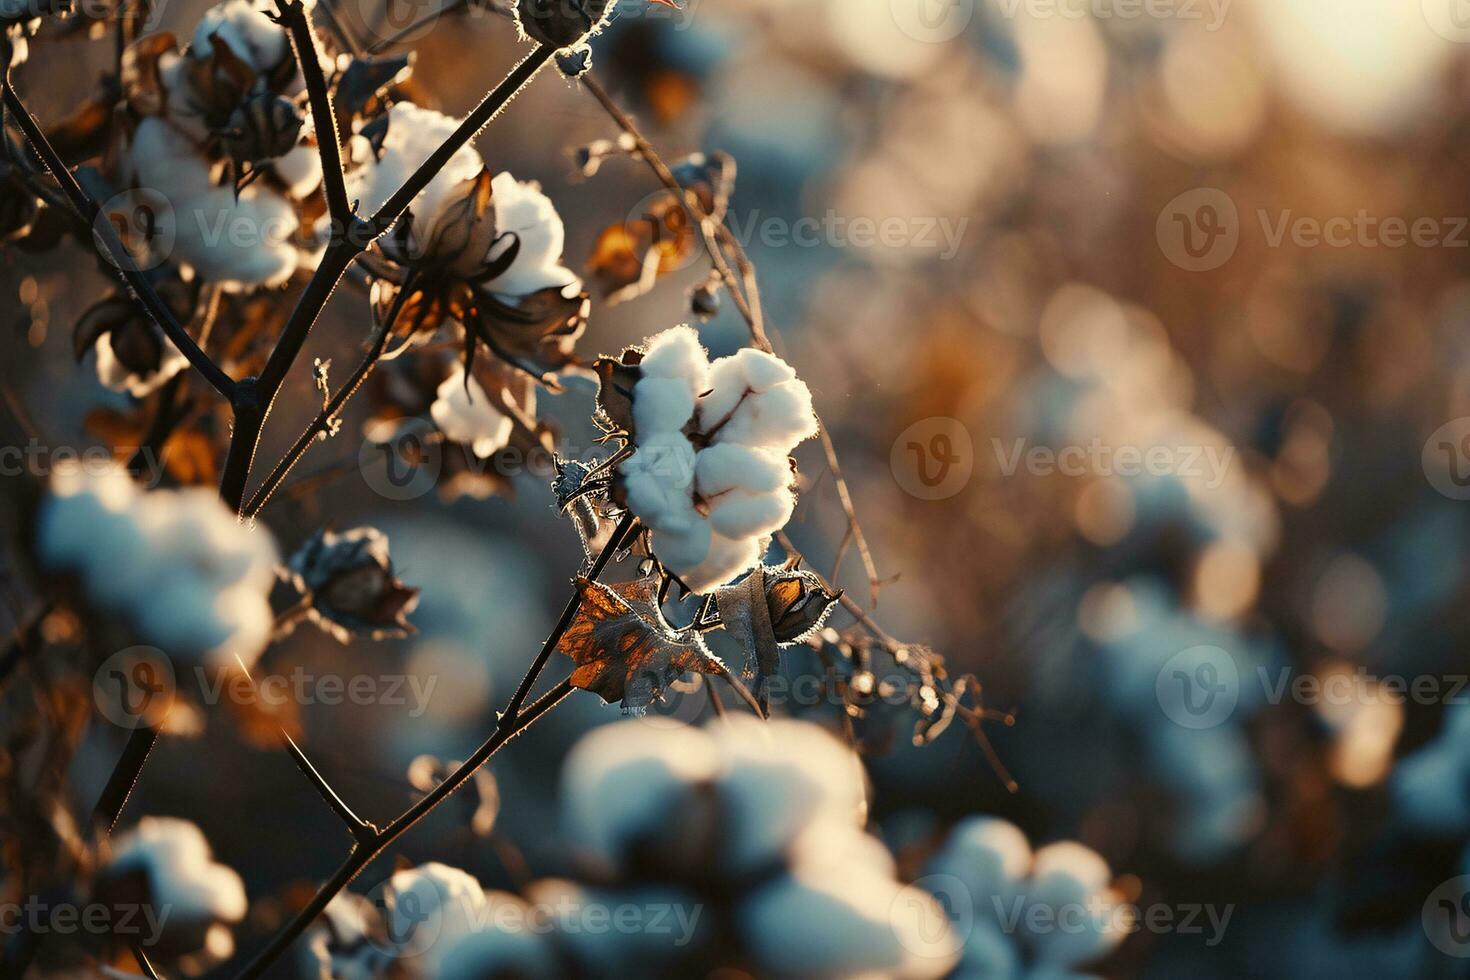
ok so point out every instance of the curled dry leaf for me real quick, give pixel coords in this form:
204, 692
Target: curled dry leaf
623, 647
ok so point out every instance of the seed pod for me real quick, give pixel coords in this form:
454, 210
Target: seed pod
261, 128
562, 23
349, 581
704, 301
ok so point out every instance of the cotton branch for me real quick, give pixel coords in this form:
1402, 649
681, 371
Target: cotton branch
90, 211
718, 238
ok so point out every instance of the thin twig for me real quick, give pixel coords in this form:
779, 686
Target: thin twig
322, 423
124, 777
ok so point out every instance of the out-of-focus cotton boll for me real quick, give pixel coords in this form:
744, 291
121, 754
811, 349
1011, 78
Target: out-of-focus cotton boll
235, 242
845, 923
119, 377
176, 564
714, 494
194, 896
501, 944
464, 413
620, 781
768, 782
989, 856
1033, 914
1364, 68
523, 210
250, 33
429, 908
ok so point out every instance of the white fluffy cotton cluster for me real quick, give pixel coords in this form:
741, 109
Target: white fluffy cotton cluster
1035, 914
175, 563
744, 797
465, 414
520, 207
713, 499
190, 892
237, 242
432, 922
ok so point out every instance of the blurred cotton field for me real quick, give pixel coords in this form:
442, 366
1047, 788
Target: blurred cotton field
1054, 415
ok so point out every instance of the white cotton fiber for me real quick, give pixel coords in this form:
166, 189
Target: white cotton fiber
741, 514
677, 353
661, 405
727, 558
251, 35
465, 414
686, 547
729, 466
521, 208
777, 419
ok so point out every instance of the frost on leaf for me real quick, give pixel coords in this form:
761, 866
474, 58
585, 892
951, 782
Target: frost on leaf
771, 608
623, 647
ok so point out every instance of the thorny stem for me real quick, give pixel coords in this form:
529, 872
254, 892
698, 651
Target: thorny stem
303, 40
124, 777
516, 717
718, 238
90, 212
322, 422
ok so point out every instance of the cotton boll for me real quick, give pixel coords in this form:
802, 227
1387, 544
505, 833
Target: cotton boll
989, 954
989, 856
237, 242
251, 35
621, 781
413, 135
1067, 872
782, 776
183, 878
662, 507
464, 413
844, 925
739, 514
666, 455
677, 353
114, 375
1071, 881
729, 466
727, 558
523, 210
77, 512
686, 548
495, 950
661, 405
747, 370
300, 169
777, 419
430, 909
685, 923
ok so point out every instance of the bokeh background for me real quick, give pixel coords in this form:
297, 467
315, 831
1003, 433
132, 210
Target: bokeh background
1234, 233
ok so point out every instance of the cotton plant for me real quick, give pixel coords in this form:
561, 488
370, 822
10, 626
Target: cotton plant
165, 864
710, 472
176, 565
1032, 914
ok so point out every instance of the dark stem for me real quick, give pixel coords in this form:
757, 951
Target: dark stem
324, 119
124, 777
323, 420
363, 854
89, 211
